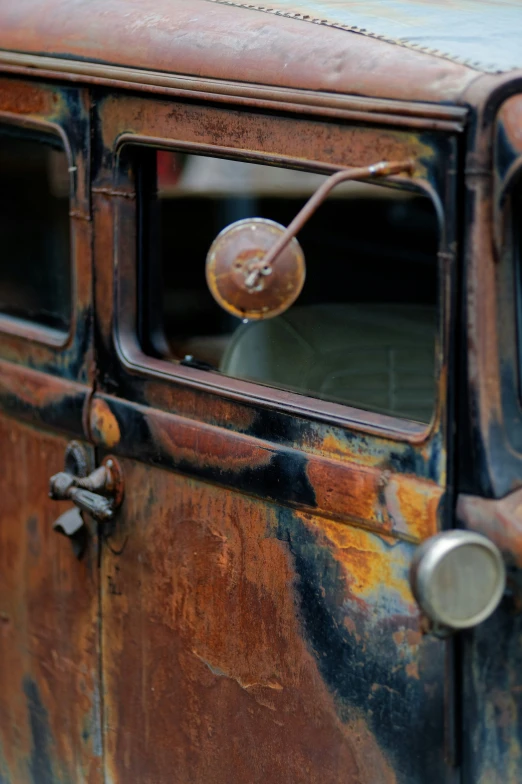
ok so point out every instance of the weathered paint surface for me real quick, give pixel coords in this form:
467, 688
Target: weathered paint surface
63, 111
42, 399
402, 506
50, 703
206, 39
266, 630
492, 705
49, 655
261, 644
257, 582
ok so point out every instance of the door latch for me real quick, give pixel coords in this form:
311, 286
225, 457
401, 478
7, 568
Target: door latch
98, 493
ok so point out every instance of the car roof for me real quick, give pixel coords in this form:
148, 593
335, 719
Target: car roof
373, 49
483, 34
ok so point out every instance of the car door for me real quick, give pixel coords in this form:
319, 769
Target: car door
257, 620
490, 475
50, 706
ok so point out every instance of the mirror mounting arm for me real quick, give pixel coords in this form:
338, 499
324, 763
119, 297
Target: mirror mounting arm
382, 169
241, 268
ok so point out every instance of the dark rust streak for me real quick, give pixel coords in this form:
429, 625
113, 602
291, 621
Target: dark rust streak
42, 399
114, 192
342, 491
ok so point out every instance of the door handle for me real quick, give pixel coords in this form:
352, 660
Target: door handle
98, 493
92, 494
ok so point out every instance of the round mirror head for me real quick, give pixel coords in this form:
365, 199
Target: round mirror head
237, 278
458, 578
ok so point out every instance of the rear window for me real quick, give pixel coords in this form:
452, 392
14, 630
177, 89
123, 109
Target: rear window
35, 273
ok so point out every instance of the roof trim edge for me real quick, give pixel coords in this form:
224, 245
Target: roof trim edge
382, 110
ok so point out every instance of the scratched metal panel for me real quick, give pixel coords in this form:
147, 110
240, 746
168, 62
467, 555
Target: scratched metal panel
247, 642
198, 38
64, 111
49, 704
484, 34
492, 704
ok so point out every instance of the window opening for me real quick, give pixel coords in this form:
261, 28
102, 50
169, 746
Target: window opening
363, 329
35, 272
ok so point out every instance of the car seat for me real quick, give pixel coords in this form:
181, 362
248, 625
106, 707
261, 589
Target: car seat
373, 356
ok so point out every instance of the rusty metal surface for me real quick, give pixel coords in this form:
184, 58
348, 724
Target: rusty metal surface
253, 137
498, 519
235, 502
50, 706
490, 437
218, 41
415, 114
482, 35
42, 399
262, 551
265, 645
379, 497
52, 108
491, 432
492, 705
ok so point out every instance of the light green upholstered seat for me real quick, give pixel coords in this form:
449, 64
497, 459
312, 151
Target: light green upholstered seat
378, 356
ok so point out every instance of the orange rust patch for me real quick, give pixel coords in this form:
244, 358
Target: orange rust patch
201, 612
350, 491
332, 446
356, 493
207, 446
409, 637
103, 423
412, 506
22, 98
366, 560
412, 670
186, 402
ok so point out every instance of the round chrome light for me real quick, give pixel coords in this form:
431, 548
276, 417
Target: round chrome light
458, 578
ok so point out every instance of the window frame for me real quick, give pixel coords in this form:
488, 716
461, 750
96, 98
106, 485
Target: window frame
61, 111
147, 380
291, 400
18, 325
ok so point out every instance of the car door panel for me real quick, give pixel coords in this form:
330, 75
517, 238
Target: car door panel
257, 617
50, 711
246, 641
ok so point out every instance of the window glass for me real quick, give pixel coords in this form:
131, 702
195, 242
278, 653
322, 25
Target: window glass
363, 330
35, 276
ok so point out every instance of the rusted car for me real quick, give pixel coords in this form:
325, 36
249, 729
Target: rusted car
260, 392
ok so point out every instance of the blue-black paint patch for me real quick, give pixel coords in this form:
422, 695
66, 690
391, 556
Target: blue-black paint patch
64, 414
492, 698
410, 461
40, 765
362, 669
283, 478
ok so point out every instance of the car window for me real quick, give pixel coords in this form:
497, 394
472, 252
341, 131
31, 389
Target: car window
35, 275
362, 332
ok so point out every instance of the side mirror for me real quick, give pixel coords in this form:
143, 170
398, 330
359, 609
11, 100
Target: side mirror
239, 278
256, 269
